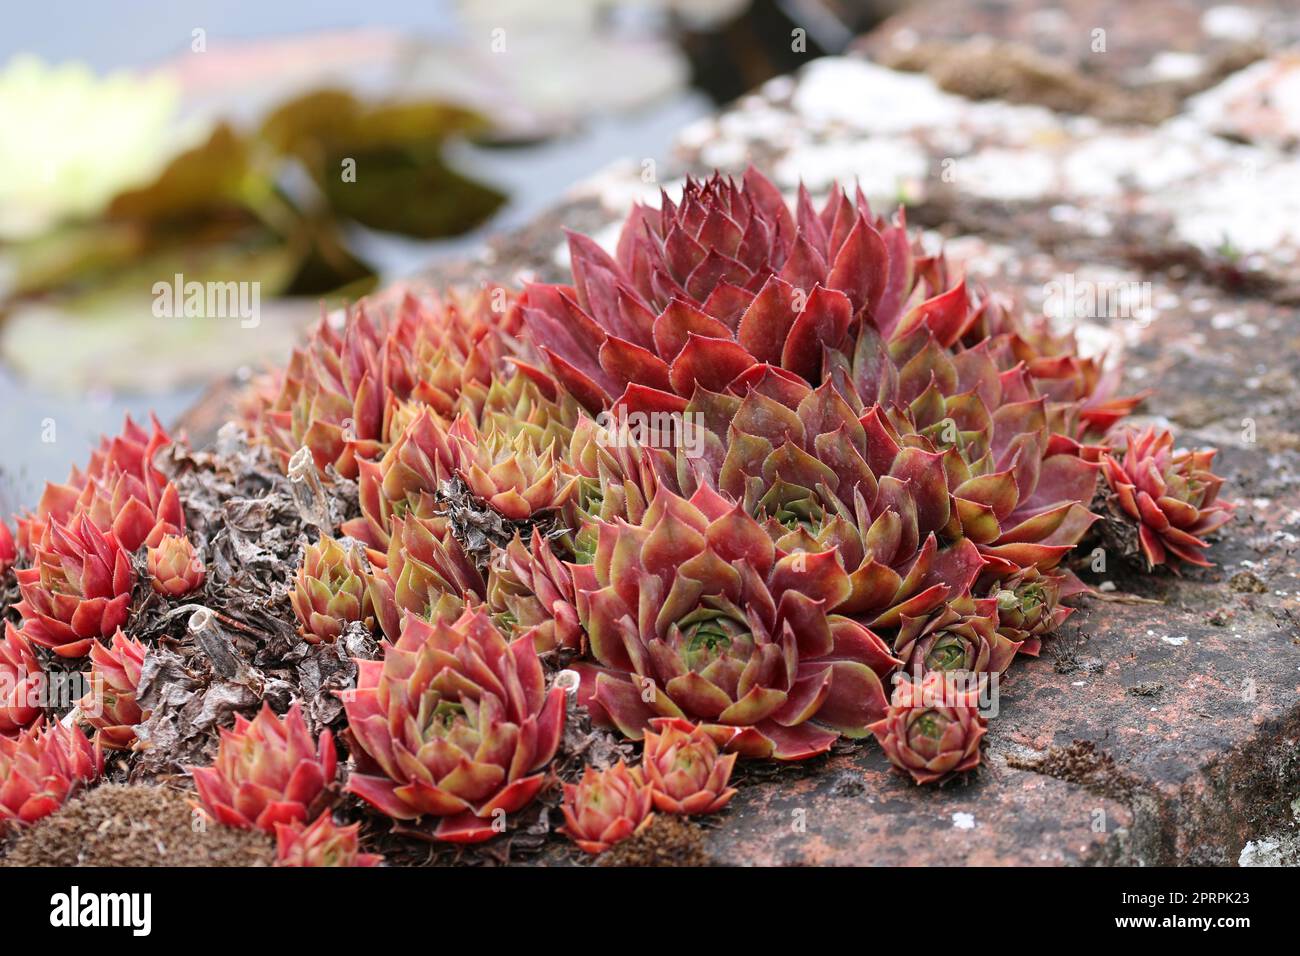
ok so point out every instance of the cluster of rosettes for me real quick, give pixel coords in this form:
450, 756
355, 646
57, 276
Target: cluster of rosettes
271, 775
74, 552
40, 768
742, 475
760, 463
681, 772
73, 562
409, 393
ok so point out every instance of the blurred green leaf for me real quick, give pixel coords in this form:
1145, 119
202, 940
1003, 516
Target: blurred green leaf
400, 191
208, 180
227, 210
402, 183
333, 120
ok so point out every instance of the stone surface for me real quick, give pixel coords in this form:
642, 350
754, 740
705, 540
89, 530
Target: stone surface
1161, 725
853, 810
1110, 58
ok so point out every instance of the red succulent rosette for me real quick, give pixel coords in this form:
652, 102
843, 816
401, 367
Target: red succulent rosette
110, 705
962, 636
607, 807
322, 843
682, 763
426, 571
420, 459
822, 477
531, 589
693, 613
22, 680
121, 492
932, 729
330, 591
268, 770
1172, 496
702, 290
8, 548
175, 568
78, 589
41, 768
455, 722
1017, 487
1029, 605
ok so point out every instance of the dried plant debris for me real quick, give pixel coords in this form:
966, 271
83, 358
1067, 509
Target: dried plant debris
120, 825
9, 596
1082, 763
1115, 531
1244, 582
587, 745
668, 841
479, 529
235, 644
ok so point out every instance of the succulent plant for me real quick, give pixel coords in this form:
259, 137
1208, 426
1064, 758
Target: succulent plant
175, 568
331, 396
681, 762
331, 590
453, 346
405, 480
522, 400
821, 478
505, 444
871, 447
40, 769
530, 589
78, 589
322, 843
1019, 489
268, 771
1089, 385
617, 478
8, 548
511, 474
884, 495
131, 451
454, 722
607, 807
933, 728
22, 680
340, 393
961, 636
703, 290
425, 573
1173, 497
1029, 605
114, 678
694, 613
137, 512
121, 492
